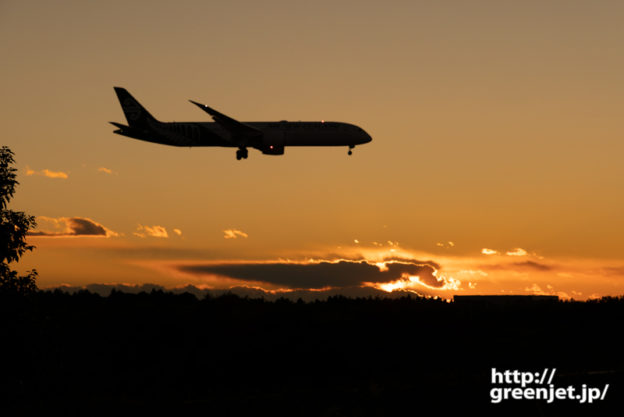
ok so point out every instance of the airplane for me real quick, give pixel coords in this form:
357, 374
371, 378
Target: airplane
270, 138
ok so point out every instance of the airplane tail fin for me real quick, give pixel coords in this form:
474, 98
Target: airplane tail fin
136, 114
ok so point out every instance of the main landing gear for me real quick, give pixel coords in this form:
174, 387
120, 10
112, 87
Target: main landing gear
241, 153
350, 151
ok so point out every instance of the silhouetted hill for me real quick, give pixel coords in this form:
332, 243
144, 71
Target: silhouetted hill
241, 291
229, 355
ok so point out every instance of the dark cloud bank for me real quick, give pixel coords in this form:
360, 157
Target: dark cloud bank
309, 281
317, 275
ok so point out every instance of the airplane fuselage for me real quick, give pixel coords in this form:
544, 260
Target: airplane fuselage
268, 137
276, 133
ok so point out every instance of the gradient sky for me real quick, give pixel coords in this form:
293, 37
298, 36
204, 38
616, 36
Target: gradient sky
496, 125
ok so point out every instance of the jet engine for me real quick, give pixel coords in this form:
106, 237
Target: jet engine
273, 142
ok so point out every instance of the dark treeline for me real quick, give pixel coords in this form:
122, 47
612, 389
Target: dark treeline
227, 355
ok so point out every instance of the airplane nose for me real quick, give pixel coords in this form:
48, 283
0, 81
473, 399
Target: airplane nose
367, 137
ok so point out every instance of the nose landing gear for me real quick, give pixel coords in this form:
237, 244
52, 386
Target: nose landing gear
241, 153
350, 151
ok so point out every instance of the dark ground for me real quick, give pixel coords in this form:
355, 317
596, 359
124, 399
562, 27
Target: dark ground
85, 354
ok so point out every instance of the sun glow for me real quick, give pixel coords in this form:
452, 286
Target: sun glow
401, 272
382, 266
400, 284
413, 283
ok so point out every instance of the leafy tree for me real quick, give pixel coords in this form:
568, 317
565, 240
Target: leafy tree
13, 228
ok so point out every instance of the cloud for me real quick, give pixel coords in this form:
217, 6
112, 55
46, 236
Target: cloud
70, 227
473, 272
47, 173
518, 266
318, 275
513, 252
105, 170
533, 265
234, 233
177, 232
405, 259
446, 245
153, 231
537, 290
612, 270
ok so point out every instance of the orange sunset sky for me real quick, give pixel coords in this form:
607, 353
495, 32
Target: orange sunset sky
495, 167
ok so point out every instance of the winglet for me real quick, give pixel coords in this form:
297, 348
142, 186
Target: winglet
205, 108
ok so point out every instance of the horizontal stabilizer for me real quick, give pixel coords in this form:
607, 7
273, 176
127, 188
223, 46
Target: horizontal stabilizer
119, 125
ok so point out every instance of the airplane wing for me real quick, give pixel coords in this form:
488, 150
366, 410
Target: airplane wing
237, 129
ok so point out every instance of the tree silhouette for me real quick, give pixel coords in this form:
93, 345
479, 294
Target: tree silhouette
13, 228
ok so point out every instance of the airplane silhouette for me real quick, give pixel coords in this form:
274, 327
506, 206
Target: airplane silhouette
270, 138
